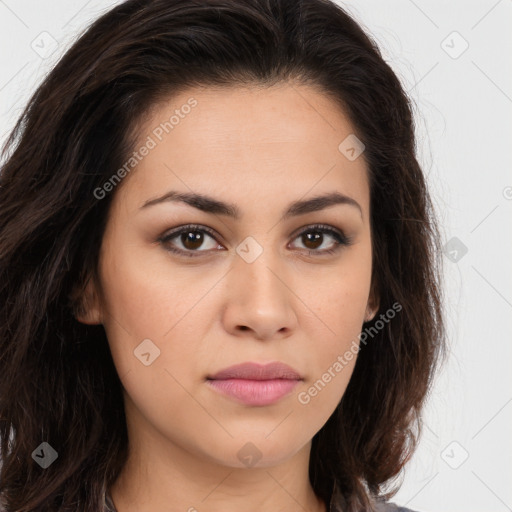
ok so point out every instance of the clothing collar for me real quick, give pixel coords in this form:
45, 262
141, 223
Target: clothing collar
337, 503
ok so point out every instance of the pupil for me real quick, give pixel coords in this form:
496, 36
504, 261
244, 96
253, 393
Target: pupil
312, 239
193, 239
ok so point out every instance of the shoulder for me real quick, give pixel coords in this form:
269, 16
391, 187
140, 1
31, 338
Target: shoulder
391, 507
339, 504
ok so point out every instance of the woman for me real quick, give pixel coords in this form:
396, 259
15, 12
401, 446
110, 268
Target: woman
219, 278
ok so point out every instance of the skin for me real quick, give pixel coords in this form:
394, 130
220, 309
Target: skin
215, 310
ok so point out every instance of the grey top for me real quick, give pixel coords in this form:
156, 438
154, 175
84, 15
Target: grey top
337, 504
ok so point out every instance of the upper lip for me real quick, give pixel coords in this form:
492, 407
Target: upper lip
255, 371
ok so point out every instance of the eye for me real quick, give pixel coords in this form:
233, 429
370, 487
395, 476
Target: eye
314, 236
192, 237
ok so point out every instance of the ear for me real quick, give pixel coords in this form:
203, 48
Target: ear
373, 304
86, 304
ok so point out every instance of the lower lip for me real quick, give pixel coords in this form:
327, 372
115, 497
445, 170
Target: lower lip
254, 392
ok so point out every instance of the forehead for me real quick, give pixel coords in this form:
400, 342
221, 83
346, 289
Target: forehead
249, 140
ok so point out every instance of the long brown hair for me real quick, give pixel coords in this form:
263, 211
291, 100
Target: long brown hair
58, 383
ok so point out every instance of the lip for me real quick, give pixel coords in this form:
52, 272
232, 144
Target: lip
256, 371
255, 384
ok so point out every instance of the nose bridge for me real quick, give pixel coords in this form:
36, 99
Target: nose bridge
259, 269
258, 298
257, 295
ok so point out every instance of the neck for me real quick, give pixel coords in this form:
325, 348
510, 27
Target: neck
163, 476
163, 487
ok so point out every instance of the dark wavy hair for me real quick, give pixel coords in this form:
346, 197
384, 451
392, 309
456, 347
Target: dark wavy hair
58, 383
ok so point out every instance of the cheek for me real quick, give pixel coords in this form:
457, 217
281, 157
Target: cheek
339, 295
157, 302
332, 350
338, 308
143, 294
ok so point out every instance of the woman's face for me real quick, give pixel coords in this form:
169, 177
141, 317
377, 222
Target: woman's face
257, 288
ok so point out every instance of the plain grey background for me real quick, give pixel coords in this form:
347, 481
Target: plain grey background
451, 58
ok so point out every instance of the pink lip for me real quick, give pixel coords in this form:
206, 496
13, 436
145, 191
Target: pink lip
256, 384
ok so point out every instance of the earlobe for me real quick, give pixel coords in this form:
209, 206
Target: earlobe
373, 303
86, 305
370, 314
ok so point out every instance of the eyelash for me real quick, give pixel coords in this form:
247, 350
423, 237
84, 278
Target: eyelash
340, 238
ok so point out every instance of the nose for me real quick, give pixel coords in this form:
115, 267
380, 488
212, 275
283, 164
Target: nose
259, 302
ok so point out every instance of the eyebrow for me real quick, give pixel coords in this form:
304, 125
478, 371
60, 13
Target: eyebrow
211, 205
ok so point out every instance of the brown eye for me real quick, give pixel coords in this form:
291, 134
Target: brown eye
311, 241
314, 237
189, 241
192, 239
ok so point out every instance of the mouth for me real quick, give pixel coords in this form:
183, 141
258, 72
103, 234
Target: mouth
255, 384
